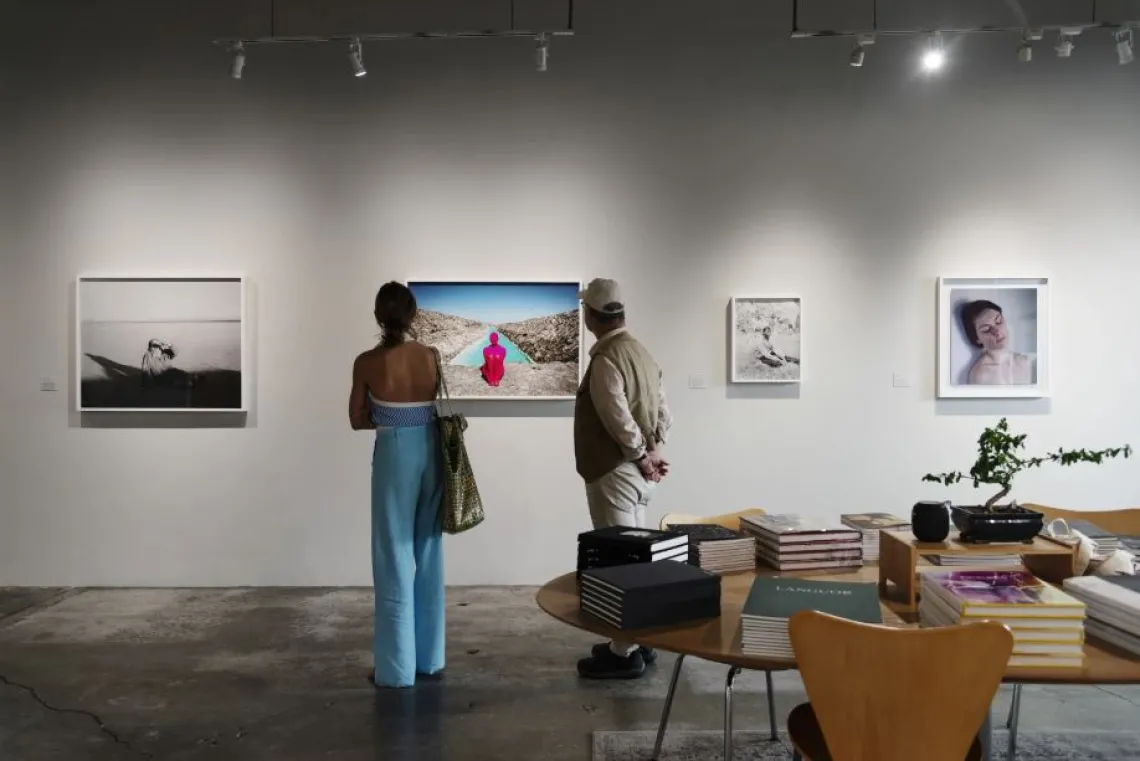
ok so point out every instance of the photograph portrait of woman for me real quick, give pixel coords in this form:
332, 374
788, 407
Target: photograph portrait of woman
992, 338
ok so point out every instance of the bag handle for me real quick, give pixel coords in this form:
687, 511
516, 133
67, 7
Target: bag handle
441, 383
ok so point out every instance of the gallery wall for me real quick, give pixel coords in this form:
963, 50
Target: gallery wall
690, 151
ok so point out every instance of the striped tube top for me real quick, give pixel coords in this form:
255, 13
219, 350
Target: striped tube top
401, 414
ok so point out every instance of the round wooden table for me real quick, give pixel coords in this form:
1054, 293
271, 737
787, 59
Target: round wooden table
718, 640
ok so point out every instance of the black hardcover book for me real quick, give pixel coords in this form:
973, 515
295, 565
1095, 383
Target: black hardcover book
697, 609
644, 595
642, 540
635, 578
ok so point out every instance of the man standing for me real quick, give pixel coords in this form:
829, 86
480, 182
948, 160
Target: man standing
620, 424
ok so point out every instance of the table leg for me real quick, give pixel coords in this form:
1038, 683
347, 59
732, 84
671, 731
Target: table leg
668, 707
771, 706
1014, 715
732, 672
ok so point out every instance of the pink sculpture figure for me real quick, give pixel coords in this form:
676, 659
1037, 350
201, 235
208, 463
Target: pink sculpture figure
493, 358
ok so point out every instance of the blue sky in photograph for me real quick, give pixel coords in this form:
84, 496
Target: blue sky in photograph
497, 303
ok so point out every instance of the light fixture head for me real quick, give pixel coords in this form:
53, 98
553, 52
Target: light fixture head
1124, 50
1064, 46
541, 52
934, 58
237, 62
356, 57
860, 51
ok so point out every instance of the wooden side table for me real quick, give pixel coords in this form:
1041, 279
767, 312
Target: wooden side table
899, 552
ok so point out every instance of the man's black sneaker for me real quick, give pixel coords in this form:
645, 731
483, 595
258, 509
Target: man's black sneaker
648, 654
608, 665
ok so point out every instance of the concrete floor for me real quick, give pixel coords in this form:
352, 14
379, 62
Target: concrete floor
281, 674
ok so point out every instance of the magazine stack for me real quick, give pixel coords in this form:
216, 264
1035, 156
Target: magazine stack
717, 548
619, 545
792, 542
1113, 604
1048, 624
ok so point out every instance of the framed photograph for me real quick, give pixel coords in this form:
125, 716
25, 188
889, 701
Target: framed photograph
502, 339
767, 346
160, 343
993, 338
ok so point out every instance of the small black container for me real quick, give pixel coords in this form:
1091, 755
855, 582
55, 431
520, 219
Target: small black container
930, 521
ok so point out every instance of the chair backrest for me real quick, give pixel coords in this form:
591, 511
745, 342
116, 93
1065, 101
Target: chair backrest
1124, 521
728, 520
887, 694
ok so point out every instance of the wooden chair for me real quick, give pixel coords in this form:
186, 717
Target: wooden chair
882, 694
731, 521
1124, 521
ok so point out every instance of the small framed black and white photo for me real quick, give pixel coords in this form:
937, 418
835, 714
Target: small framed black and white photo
766, 339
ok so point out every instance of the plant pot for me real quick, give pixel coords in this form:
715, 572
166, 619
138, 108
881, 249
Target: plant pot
1002, 524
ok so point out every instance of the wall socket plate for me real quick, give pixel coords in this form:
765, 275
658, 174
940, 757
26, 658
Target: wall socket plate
899, 380
47, 384
698, 381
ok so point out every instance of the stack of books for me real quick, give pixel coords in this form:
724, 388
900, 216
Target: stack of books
772, 602
791, 542
718, 549
1046, 622
1113, 604
870, 524
644, 595
1105, 542
975, 559
619, 545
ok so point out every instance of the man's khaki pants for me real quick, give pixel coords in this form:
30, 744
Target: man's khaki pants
619, 498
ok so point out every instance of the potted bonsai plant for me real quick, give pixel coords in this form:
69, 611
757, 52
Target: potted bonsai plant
999, 461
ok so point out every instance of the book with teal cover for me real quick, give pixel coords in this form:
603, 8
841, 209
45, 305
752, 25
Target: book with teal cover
781, 598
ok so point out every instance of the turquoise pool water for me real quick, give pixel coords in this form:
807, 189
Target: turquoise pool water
472, 356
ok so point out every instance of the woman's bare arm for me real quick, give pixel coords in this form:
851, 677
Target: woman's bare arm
357, 399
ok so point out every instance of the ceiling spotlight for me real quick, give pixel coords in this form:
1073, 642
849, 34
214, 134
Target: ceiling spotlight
935, 57
541, 52
237, 63
860, 51
1025, 51
1123, 39
356, 57
1065, 44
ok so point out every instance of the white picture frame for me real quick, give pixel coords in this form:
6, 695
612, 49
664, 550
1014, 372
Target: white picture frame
554, 381
194, 358
748, 317
1016, 368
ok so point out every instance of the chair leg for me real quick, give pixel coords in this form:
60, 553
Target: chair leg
1014, 715
732, 672
668, 707
986, 735
771, 706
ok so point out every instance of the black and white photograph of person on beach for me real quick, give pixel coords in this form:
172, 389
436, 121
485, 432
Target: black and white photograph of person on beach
160, 344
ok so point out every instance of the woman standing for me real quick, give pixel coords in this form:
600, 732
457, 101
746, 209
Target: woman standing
393, 391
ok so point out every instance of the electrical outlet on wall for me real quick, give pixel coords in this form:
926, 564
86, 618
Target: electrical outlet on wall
47, 384
698, 381
899, 380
